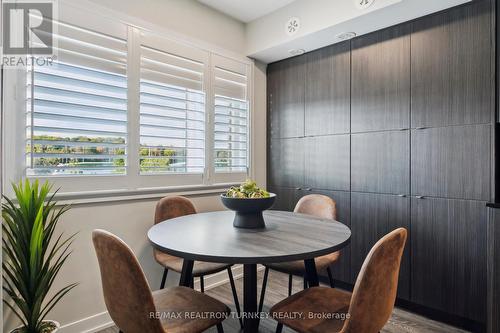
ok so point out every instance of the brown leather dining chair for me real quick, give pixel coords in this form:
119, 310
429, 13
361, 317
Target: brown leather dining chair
319, 206
132, 305
367, 309
176, 206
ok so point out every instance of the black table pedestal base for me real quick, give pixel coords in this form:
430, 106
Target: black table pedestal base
250, 314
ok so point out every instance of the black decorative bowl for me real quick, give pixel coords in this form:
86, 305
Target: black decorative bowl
249, 211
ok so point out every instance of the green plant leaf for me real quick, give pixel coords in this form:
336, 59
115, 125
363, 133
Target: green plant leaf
32, 258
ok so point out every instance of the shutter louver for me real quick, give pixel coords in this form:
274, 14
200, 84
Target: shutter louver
172, 108
77, 107
231, 116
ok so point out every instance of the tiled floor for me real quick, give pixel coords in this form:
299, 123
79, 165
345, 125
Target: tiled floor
400, 322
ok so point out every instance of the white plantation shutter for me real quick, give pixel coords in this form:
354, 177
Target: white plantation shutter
120, 100
172, 107
77, 107
231, 115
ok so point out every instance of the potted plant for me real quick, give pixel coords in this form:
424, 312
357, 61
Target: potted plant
33, 255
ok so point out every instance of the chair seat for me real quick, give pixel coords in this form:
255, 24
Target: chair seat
329, 307
182, 300
298, 267
199, 267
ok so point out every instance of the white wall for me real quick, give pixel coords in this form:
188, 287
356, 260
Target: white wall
187, 17
83, 308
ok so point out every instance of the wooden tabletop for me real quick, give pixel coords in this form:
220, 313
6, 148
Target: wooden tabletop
212, 237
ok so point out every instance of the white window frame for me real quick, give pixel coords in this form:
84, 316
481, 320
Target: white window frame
14, 105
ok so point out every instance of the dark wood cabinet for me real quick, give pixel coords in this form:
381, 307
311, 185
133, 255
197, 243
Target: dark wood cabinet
451, 67
272, 84
372, 217
381, 162
342, 269
493, 268
327, 93
452, 162
397, 127
286, 98
286, 197
286, 162
327, 162
449, 256
381, 80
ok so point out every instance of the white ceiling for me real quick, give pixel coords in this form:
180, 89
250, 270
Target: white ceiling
246, 10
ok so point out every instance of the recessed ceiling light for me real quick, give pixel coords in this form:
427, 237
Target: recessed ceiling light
363, 4
292, 26
296, 52
346, 35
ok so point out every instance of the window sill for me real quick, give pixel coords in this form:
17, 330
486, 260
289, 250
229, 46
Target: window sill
89, 197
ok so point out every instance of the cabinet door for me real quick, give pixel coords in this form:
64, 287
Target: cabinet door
273, 120
286, 93
342, 269
286, 162
451, 67
372, 217
449, 256
381, 80
327, 162
286, 198
451, 162
328, 90
381, 162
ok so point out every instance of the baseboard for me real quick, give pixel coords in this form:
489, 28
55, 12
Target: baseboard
440, 316
90, 324
102, 320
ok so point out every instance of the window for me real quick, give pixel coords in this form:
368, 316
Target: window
77, 108
136, 109
231, 116
172, 113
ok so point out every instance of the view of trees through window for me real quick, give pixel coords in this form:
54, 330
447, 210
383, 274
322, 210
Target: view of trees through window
165, 156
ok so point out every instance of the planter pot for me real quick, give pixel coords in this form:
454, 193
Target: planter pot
248, 212
56, 325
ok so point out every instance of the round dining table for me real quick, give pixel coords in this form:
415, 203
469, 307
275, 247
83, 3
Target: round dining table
211, 237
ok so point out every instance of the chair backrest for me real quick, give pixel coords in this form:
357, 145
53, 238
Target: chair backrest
317, 205
173, 206
126, 291
375, 290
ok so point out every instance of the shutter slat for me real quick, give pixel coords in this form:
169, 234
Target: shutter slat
78, 121
231, 116
172, 109
78, 156
231, 136
77, 143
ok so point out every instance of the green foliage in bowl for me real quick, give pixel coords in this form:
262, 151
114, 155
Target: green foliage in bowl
247, 190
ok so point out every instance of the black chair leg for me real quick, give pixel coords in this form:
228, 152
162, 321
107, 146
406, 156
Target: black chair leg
220, 329
279, 328
290, 280
192, 283
164, 278
263, 290
305, 283
330, 277
202, 284
235, 295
